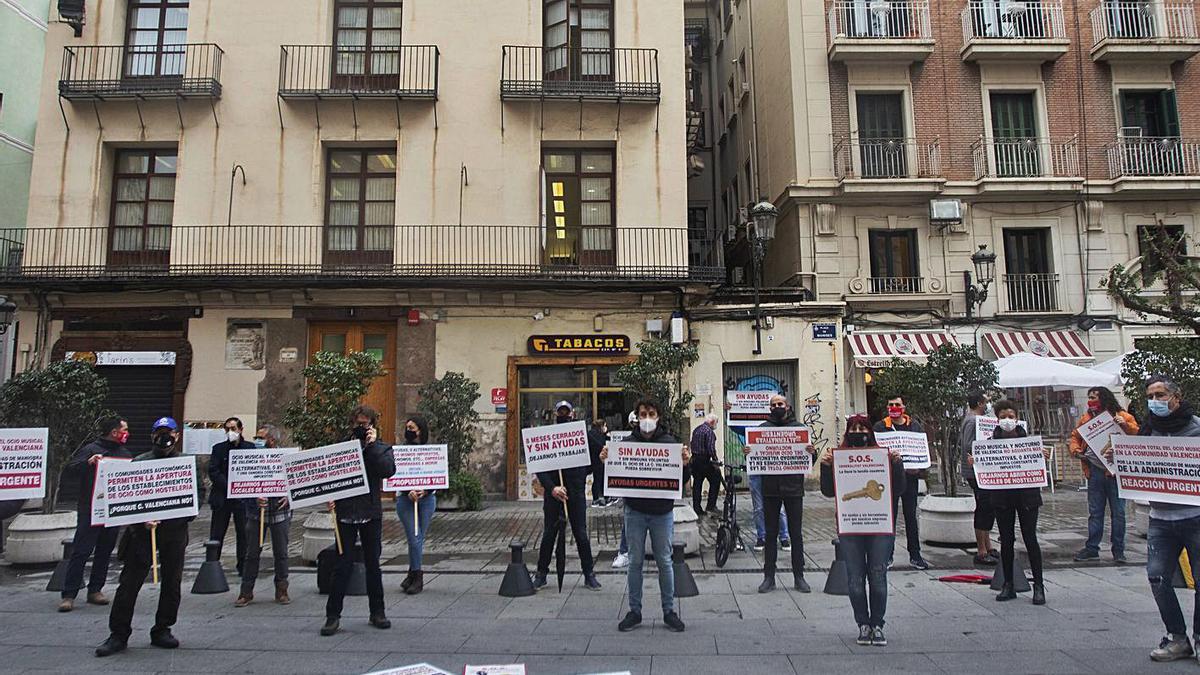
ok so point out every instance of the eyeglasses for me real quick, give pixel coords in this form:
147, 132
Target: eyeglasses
778, 405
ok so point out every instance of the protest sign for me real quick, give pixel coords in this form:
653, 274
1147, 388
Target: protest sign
645, 470
420, 467
1010, 463
748, 408
1096, 432
1158, 468
862, 483
512, 669
325, 474
984, 427
23, 463
156, 489
554, 447
201, 441
99, 513
617, 436
913, 447
415, 669
258, 473
778, 451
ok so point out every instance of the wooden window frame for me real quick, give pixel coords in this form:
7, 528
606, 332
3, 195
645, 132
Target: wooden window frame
359, 255
581, 257
366, 80
574, 46
884, 238
142, 256
132, 50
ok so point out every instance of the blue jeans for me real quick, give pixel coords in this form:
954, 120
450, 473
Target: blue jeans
1102, 490
1165, 539
624, 547
416, 538
662, 530
760, 525
867, 560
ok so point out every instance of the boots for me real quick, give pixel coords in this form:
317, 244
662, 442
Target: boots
281, 593
407, 580
244, 598
1039, 594
1006, 592
768, 584
418, 583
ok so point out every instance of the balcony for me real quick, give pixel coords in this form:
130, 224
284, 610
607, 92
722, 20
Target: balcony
1026, 164
326, 71
99, 73
1144, 156
896, 165
315, 255
880, 31
894, 285
580, 73
996, 31
1144, 31
897, 292
1031, 293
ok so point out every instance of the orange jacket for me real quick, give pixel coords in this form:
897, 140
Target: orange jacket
1078, 446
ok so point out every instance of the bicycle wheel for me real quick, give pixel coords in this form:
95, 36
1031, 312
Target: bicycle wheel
723, 546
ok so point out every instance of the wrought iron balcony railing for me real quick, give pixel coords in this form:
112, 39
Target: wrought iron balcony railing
1032, 292
895, 285
580, 73
1013, 20
1025, 158
1147, 156
141, 71
879, 20
886, 158
327, 71
1147, 21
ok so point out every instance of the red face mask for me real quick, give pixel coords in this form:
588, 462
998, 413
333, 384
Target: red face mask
123, 437
1094, 406
895, 411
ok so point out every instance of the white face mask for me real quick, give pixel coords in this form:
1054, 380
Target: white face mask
233, 436
647, 426
1008, 424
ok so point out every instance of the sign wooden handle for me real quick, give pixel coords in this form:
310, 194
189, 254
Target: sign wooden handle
416, 519
154, 551
337, 533
262, 518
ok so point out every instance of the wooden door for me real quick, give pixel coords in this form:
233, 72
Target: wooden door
378, 339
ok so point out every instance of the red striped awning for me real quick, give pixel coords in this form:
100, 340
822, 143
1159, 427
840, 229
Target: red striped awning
1066, 345
875, 350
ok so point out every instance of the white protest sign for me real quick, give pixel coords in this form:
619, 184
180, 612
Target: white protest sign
258, 473
748, 408
1158, 468
415, 669
554, 447
1095, 433
325, 474
778, 451
1010, 463
99, 513
156, 489
420, 467
23, 463
862, 483
618, 436
913, 447
511, 669
201, 441
985, 427
644, 470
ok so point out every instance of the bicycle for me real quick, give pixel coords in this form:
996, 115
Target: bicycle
728, 537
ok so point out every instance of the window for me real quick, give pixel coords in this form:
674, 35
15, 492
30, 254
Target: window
1032, 287
360, 206
894, 263
367, 41
882, 151
577, 37
1167, 238
1149, 114
580, 206
143, 204
154, 41
1017, 152
702, 245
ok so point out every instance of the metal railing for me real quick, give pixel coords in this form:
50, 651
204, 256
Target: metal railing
879, 20
1144, 21
1013, 20
316, 252
1032, 292
894, 285
407, 71
882, 158
580, 72
1025, 158
140, 71
1148, 156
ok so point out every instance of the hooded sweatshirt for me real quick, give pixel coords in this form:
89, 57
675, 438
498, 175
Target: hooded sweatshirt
1182, 422
654, 507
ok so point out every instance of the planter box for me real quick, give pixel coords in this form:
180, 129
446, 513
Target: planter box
318, 536
947, 520
36, 538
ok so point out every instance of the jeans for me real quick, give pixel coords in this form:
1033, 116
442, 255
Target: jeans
1102, 490
624, 547
279, 551
1165, 539
912, 485
866, 561
416, 538
552, 512
137, 559
220, 524
701, 473
794, 507
88, 539
662, 530
371, 533
756, 500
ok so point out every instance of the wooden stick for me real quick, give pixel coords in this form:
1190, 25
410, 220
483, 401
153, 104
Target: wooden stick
337, 534
154, 550
262, 518
416, 519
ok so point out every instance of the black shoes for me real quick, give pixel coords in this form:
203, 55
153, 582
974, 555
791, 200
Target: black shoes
539, 580
1039, 594
417, 584
111, 646
768, 584
591, 582
380, 621
802, 585
164, 640
332, 624
1006, 593
407, 580
632, 620
672, 620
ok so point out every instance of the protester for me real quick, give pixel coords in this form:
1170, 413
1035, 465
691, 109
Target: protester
597, 439
760, 525
621, 561
278, 521
866, 555
114, 431
1016, 504
985, 515
421, 502
222, 507
571, 491
361, 517
136, 552
653, 516
786, 492
1102, 485
898, 420
704, 464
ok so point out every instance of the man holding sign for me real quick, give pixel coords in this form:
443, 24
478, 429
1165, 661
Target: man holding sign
257, 479
1103, 418
898, 420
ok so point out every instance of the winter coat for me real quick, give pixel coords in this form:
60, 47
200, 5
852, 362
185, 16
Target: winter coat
175, 527
380, 464
86, 473
898, 480
422, 439
218, 472
1079, 447
1182, 422
1015, 498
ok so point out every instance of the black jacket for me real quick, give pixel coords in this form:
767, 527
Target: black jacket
597, 439
174, 527
655, 507
886, 425
898, 481
380, 464
783, 486
574, 479
218, 472
1014, 498
86, 473
422, 439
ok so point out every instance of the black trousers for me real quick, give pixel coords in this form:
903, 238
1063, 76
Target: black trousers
371, 534
911, 529
1006, 519
700, 473
88, 539
597, 478
795, 515
220, 524
137, 558
552, 511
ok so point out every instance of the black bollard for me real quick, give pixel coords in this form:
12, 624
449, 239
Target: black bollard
685, 583
838, 581
211, 577
1020, 583
60, 570
516, 582
358, 573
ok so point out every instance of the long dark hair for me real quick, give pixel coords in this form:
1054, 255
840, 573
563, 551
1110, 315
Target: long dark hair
858, 420
1107, 400
422, 429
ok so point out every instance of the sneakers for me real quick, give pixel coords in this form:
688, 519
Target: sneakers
864, 636
785, 544
111, 646
801, 585
332, 624
66, 605
97, 598
918, 564
591, 582
1086, 554
1171, 648
632, 620
986, 560
672, 620
768, 584
621, 561
1119, 558
760, 545
598, 503
539, 581
609, 501
164, 640
878, 639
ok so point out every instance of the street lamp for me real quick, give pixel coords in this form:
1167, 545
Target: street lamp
985, 271
763, 217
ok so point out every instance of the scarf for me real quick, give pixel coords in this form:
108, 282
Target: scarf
1171, 424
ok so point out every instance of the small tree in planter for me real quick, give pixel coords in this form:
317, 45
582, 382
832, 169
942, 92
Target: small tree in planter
336, 384
657, 373
448, 405
1177, 358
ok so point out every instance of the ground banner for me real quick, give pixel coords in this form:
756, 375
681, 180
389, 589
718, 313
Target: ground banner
1010, 463
1158, 468
644, 470
913, 447
23, 463
99, 513
1096, 432
258, 473
156, 489
420, 467
415, 669
325, 474
778, 451
862, 483
556, 446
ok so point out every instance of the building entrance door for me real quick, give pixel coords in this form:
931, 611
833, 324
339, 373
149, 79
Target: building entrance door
377, 339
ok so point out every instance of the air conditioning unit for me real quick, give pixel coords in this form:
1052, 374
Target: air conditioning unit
945, 211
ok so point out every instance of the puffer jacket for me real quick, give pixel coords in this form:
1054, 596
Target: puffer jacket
1078, 447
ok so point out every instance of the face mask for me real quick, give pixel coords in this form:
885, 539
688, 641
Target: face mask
123, 437
1159, 408
562, 419
163, 441
360, 433
260, 442
647, 426
1008, 424
895, 411
1094, 406
233, 436
410, 436
857, 439
778, 414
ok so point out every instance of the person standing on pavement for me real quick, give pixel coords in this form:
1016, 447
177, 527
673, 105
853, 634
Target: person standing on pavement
704, 464
898, 420
786, 492
621, 561
571, 492
760, 527
224, 508
985, 515
1102, 485
597, 438
424, 504
278, 521
136, 552
114, 432
361, 518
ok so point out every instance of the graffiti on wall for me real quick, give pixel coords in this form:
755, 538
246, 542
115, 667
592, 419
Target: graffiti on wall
812, 420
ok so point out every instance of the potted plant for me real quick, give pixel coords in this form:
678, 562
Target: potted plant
66, 397
448, 405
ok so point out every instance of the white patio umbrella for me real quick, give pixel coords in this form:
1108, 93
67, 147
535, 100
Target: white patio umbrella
1029, 370
1113, 365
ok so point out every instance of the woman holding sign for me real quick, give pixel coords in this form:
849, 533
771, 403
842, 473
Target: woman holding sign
1101, 483
422, 503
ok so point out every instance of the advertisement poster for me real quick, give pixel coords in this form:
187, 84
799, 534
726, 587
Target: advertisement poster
258, 473
23, 463
644, 470
1158, 468
325, 474
913, 447
1010, 463
156, 489
862, 481
420, 467
778, 451
554, 447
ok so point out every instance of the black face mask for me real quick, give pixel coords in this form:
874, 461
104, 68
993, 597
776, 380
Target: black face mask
360, 433
778, 414
410, 436
163, 441
857, 440
563, 419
